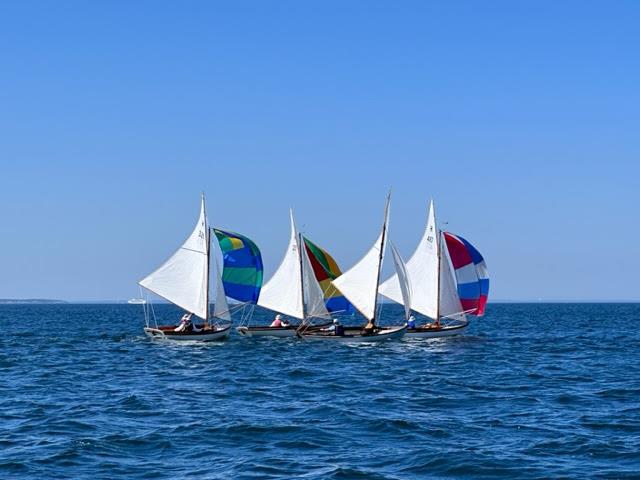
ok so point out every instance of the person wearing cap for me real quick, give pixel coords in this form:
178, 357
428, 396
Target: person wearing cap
277, 322
411, 323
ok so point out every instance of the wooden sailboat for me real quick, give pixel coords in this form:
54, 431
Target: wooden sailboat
360, 286
293, 291
435, 291
184, 281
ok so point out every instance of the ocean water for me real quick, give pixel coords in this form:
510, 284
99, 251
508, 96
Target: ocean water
531, 391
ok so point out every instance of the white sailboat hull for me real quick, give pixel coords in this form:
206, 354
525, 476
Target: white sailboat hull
280, 332
354, 335
444, 331
168, 333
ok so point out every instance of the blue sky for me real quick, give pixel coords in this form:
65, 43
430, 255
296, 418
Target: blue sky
521, 119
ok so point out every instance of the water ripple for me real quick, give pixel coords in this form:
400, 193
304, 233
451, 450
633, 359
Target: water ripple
532, 391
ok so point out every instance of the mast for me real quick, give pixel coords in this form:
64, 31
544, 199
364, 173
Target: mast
380, 257
437, 238
300, 246
208, 240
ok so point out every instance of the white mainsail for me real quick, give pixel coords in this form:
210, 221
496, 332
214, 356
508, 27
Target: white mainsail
360, 283
313, 294
403, 281
282, 293
183, 278
422, 269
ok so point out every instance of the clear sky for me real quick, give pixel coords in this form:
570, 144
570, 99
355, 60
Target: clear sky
521, 119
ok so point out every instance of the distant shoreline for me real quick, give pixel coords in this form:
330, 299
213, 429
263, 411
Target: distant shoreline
30, 301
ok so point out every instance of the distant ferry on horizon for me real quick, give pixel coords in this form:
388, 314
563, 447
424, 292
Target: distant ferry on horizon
137, 301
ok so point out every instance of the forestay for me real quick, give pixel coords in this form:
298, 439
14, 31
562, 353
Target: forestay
183, 278
360, 283
422, 269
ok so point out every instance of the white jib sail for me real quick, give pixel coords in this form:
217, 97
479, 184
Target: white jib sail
450, 305
422, 270
221, 307
183, 278
360, 283
403, 281
283, 292
314, 297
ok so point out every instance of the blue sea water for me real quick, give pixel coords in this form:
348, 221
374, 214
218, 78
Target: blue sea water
531, 391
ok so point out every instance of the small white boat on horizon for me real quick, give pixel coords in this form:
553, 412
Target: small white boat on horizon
137, 301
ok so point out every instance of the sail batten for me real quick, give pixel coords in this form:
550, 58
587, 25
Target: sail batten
183, 278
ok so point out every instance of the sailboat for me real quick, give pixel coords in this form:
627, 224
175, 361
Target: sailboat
293, 290
448, 281
360, 286
183, 280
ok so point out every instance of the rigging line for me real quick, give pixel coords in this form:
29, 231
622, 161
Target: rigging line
192, 250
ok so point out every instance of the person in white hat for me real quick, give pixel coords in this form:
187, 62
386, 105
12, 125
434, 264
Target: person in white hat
277, 322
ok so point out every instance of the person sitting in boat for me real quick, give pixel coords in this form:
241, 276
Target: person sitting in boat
279, 322
369, 328
411, 323
338, 329
185, 323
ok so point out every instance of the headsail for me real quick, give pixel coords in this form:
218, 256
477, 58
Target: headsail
403, 281
221, 307
471, 274
183, 278
326, 270
450, 305
242, 271
282, 293
313, 294
360, 283
422, 269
